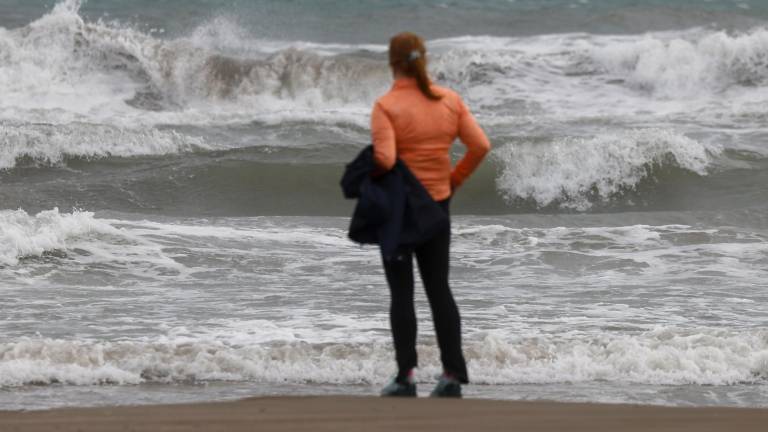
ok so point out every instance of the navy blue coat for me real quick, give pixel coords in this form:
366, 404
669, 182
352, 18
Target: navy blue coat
393, 210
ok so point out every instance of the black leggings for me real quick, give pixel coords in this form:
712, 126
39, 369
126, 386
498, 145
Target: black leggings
432, 258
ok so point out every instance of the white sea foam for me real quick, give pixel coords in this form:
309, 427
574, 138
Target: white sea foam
74, 70
317, 339
51, 144
91, 239
25, 235
663, 356
501, 258
125, 250
46, 68
570, 170
282, 234
144, 249
22, 235
687, 65
87, 70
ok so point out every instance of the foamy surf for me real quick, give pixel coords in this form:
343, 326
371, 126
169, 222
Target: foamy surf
664, 356
77, 237
290, 301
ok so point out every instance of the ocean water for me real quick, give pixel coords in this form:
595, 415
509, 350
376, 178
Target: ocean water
171, 226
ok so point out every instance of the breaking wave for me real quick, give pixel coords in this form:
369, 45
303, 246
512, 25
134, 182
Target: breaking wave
49, 144
693, 64
22, 235
78, 236
101, 69
576, 172
662, 357
62, 54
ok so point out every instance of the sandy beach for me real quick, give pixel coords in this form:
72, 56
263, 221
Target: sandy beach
377, 414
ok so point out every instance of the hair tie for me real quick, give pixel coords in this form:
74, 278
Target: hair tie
415, 54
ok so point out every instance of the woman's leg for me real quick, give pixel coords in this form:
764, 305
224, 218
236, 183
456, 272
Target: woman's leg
433, 260
402, 315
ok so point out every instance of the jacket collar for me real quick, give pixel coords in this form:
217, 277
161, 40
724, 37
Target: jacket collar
405, 82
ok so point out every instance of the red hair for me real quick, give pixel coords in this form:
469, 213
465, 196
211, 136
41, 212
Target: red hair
408, 56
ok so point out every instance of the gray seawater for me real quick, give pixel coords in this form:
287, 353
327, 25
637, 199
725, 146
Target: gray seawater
171, 227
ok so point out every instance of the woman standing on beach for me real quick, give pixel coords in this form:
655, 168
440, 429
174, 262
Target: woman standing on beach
417, 122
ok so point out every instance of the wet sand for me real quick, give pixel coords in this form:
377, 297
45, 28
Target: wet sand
377, 414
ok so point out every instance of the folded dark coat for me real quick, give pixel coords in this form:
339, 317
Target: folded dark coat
393, 210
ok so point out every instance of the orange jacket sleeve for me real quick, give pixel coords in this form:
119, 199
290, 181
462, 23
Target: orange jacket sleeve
477, 144
383, 136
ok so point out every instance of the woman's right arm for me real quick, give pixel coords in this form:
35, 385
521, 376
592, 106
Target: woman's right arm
383, 136
477, 144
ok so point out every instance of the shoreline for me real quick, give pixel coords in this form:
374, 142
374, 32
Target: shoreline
333, 413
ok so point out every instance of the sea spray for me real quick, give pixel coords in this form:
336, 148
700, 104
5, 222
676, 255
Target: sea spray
685, 65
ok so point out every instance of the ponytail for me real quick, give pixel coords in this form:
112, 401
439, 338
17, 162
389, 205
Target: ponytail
408, 55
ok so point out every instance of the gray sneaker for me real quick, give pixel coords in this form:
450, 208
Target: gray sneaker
447, 387
399, 389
